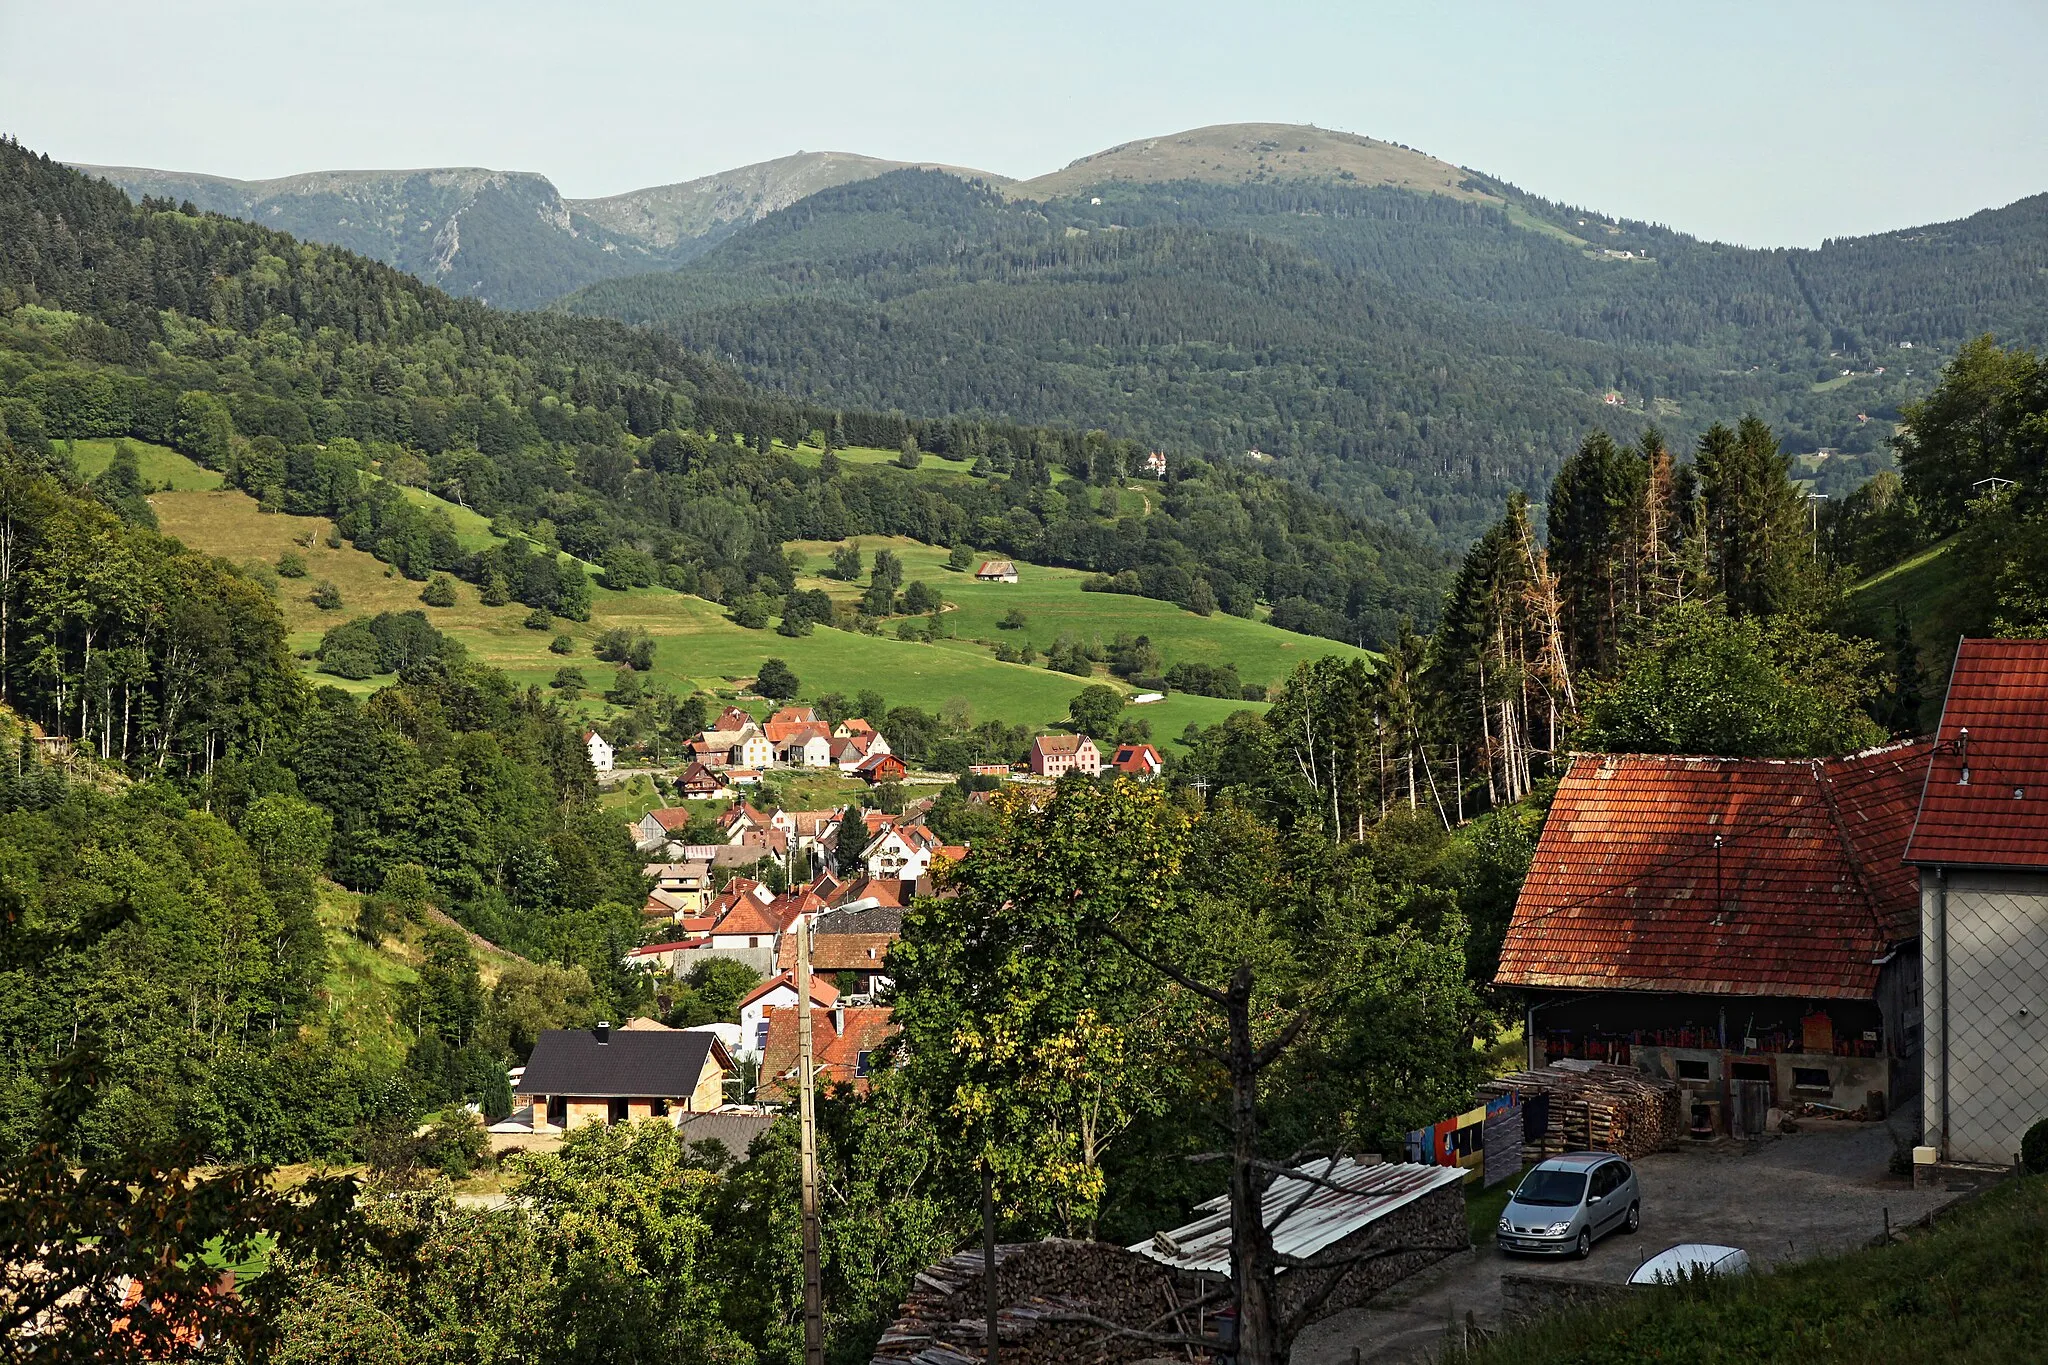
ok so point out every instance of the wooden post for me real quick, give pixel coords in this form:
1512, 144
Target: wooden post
807, 1119
991, 1294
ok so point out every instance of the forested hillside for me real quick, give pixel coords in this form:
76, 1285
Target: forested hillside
300, 371
1417, 355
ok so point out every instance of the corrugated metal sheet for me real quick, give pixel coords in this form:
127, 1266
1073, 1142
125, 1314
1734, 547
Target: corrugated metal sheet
1325, 1218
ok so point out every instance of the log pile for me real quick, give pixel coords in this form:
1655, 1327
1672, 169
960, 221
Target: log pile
1044, 1287
1602, 1108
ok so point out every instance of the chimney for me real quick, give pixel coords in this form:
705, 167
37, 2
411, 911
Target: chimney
839, 1020
604, 1033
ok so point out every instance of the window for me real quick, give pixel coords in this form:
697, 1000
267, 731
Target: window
659, 1108
1689, 1070
1752, 1071
1811, 1078
860, 1063
618, 1111
761, 1036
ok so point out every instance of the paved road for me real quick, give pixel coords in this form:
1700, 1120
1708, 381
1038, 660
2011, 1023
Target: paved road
1780, 1199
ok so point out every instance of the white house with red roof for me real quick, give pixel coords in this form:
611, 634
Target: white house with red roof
1137, 760
778, 990
600, 751
658, 826
1980, 848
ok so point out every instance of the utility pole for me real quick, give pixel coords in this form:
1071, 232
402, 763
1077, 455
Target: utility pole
807, 1119
992, 1296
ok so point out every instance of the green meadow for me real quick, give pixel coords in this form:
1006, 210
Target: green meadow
698, 645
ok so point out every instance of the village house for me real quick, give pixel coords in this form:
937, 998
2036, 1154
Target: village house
840, 948
778, 991
1155, 464
808, 829
996, 571
750, 923
606, 1075
658, 826
902, 852
600, 752
700, 783
1058, 755
683, 886
880, 768
793, 715
1744, 927
851, 726
740, 820
1137, 760
844, 1042
801, 744
751, 749
1979, 849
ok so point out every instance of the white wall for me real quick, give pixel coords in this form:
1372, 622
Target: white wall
1986, 1030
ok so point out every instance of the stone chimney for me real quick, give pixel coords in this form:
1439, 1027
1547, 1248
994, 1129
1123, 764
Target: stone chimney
839, 1020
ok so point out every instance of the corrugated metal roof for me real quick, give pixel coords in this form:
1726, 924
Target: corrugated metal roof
1325, 1218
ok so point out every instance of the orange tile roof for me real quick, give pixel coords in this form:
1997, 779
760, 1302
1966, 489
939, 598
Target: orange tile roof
750, 917
1998, 694
1136, 758
835, 1052
823, 992
1621, 894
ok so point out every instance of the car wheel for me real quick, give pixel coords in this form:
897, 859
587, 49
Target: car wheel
1585, 1244
1635, 1217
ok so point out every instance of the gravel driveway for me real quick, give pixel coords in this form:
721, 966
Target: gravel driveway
1780, 1199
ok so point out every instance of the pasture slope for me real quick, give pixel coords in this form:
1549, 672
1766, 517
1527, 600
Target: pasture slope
697, 644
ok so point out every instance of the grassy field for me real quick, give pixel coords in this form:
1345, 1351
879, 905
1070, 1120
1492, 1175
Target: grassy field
1969, 1290
1942, 599
698, 646
161, 467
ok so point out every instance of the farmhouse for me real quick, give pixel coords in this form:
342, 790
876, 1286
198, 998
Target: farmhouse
1744, 927
996, 571
1980, 850
800, 744
607, 1075
1058, 755
600, 752
901, 851
752, 749
793, 715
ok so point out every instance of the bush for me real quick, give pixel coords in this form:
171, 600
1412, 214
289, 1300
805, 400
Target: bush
960, 558
1207, 680
291, 564
568, 680
2034, 1149
540, 618
1013, 619
327, 597
562, 644
921, 597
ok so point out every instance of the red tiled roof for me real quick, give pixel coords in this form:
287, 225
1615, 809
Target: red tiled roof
750, 917
835, 1052
1136, 758
823, 992
1621, 893
887, 891
840, 952
671, 817
1999, 818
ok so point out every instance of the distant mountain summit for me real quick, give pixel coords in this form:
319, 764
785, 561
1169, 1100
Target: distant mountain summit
668, 217
1250, 153
509, 237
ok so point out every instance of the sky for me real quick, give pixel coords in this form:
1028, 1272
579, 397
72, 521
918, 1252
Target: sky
1767, 124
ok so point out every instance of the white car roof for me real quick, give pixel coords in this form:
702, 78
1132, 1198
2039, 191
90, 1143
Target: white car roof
1690, 1258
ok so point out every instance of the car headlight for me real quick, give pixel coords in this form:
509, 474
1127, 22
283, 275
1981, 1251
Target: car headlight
1557, 1229
1504, 1224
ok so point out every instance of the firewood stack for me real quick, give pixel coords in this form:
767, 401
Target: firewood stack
1606, 1108
1041, 1284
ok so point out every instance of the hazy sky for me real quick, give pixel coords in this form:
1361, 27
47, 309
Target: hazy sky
1767, 124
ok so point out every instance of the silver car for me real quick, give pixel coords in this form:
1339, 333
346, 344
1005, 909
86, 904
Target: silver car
1570, 1202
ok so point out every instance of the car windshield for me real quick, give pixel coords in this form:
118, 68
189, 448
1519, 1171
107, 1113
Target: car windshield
1562, 1188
